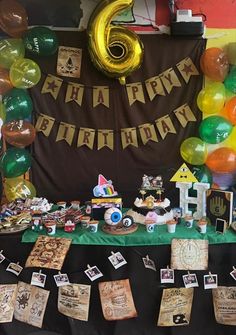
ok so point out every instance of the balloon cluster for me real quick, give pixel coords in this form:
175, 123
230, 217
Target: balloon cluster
213, 153
17, 74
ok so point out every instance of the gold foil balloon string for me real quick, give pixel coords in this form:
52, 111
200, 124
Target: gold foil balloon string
114, 50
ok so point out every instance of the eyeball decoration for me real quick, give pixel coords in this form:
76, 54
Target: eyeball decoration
112, 216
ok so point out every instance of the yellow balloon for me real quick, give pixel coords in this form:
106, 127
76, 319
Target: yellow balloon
24, 73
230, 142
211, 99
114, 50
194, 151
16, 188
10, 50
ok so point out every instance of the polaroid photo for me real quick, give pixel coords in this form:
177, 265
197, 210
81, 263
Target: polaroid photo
117, 260
233, 274
167, 276
2, 257
61, 279
38, 279
149, 263
14, 268
190, 280
210, 281
93, 273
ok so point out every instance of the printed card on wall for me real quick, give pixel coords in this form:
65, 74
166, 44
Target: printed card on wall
117, 300
7, 301
69, 62
48, 252
176, 305
224, 301
73, 301
189, 254
30, 305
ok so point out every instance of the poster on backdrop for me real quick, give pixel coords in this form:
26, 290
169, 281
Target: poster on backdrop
76, 13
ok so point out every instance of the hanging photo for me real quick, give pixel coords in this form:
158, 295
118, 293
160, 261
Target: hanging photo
149, 263
38, 279
117, 260
167, 276
93, 273
69, 62
73, 301
176, 305
233, 274
61, 279
2, 257
190, 280
210, 281
14, 268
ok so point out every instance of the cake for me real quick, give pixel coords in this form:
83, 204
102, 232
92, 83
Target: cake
151, 204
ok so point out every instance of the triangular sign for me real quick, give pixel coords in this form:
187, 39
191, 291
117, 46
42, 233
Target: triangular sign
184, 174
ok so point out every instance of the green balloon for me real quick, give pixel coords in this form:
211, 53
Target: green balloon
215, 129
10, 50
18, 104
15, 162
203, 175
230, 80
41, 41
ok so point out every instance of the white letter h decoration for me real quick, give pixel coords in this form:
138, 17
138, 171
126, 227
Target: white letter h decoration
200, 200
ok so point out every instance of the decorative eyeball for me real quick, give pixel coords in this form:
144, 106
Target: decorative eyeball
127, 221
112, 216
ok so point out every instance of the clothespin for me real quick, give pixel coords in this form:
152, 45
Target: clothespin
210, 274
147, 257
112, 253
88, 266
189, 273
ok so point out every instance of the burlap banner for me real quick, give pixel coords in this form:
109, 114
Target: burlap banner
161, 84
105, 137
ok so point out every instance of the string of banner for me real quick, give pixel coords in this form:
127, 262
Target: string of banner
157, 85
28, 302
117, 260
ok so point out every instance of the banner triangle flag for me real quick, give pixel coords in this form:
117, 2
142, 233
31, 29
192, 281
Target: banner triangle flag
184, 174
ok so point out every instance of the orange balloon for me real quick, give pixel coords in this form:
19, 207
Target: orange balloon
229, 110
5, 83
13, 18
222, 160
214, 64
19, 133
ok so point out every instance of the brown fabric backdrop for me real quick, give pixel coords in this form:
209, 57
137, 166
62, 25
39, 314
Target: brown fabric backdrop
63, 172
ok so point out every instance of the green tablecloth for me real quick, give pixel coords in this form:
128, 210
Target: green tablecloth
139, 238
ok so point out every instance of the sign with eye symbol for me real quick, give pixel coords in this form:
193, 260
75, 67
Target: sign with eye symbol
184, 174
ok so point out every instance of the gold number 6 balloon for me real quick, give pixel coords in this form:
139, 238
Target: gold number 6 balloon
114, 50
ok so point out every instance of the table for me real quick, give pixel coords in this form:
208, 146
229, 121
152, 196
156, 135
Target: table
145, 285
